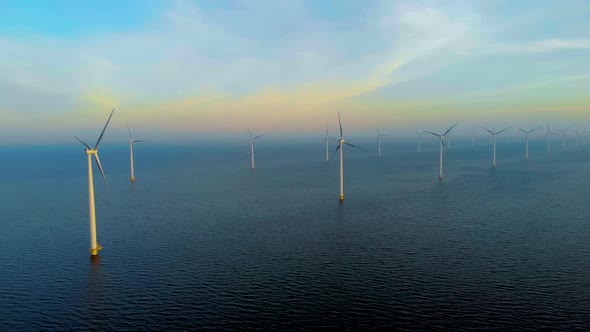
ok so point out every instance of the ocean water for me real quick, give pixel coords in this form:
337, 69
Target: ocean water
200, 242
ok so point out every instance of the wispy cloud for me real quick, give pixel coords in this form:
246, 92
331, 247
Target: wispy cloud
276, 64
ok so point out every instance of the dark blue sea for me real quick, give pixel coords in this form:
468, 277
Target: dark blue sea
200, 242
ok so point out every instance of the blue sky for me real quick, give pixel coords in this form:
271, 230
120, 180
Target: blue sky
189, 67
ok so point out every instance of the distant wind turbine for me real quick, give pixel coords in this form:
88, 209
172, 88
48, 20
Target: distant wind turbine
548, 135
578, 134
442, 146
526, 133
564, 134
252, 139
326, 140
94, 246
494, 141
472, 137
585, 133
419, 134
379, 135
131, 144
340, 147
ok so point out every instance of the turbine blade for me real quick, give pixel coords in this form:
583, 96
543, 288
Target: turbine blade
97, 159
258, 136
354, 146
435, 134
130, 136
568, 128
340, 124
103, 130
489, 131
337, 148
532, 130
524, 131
504, 130
138, 141
448, 131
442, 139
250, 133
86, 145
335, 140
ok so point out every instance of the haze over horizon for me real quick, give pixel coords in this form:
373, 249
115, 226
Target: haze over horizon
180, 68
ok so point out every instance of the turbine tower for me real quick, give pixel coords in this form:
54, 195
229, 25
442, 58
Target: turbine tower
252, 139
564, 134
419, 134
94, 246
472, 137
442, 146
379, 135
494, 141
526, 134
578, 134
131, 143
340, 147
327, 145
548, 135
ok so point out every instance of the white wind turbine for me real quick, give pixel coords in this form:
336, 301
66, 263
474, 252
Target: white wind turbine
419, 134
379, 135
564, 134
472, 137
494, 141
252, 139
526, 133
340, 147
548, 135
94, 246
131, 144
585, 133
442, 146
578, 134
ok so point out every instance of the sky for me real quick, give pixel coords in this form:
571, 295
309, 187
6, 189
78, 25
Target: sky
180, 68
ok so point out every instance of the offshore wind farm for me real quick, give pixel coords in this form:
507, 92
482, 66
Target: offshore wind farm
256, 121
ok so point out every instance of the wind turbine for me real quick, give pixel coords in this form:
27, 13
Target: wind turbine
526, 134
578, 134
94, 246
419, 134
252, 139
472, 137
340, 147
379, 135
548, 134
131, 143
494, 141
586, 132
564, 134
442, 146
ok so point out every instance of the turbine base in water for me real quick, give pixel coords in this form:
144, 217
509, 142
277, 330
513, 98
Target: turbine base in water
94, 252
440, 178
341, 198
132, 179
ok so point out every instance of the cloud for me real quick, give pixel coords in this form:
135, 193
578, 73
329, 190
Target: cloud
543, 46
274, 65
